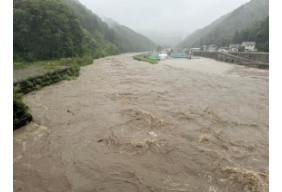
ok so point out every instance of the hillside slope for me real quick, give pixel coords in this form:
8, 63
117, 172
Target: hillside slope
125, 39
221, 31
54, 29
259, 33
129, 40
41, 30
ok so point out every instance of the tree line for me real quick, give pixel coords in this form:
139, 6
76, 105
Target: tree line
259, 33
249, 22
53, 29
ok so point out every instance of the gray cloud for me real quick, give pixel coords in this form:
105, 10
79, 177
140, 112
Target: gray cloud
167, 17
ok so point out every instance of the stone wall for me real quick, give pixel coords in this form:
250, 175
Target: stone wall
20, 115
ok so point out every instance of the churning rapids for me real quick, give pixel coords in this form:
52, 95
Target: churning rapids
124, 125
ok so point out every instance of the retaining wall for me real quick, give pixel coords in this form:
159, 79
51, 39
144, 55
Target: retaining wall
242, 58
20, 117
257, 56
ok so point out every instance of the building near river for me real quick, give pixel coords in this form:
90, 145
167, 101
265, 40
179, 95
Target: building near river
163, 56
223, 49
212, 48
249, 45
234, 47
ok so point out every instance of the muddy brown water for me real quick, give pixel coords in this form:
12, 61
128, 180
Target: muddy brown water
125, 125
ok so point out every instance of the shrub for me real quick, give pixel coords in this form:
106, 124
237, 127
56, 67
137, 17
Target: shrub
19, 108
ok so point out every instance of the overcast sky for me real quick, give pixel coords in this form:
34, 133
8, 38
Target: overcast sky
163, 16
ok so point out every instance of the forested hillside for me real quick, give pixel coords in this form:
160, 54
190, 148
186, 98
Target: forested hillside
45, 29
124, 38
128, 40
98, 37
53, 29
222, 31
259, 32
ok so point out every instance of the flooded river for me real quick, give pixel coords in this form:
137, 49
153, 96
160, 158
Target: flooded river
124, 125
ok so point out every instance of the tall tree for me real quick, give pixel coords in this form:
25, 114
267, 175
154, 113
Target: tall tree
45, 29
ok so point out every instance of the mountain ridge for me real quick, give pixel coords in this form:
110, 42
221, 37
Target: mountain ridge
126, 39
222, 30
135, 41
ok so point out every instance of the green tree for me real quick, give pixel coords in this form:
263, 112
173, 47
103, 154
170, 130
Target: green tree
45, 29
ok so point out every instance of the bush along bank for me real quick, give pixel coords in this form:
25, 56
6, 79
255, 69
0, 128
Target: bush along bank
20, 111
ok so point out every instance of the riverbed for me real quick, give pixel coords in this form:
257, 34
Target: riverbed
124, 125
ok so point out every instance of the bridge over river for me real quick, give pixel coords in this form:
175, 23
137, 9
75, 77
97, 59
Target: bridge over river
125, 125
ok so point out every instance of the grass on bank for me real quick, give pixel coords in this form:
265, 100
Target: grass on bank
143, 57
54, 64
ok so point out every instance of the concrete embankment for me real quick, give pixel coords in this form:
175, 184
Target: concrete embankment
23, 84
256, 56
242, 58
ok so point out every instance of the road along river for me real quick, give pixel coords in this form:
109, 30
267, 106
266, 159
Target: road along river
124, 125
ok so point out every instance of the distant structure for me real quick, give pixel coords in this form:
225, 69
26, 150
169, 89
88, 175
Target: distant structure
212, 48
195, 49
246, 46
234, 47
179, 53
154, 55
163, 56
166, 50
223, 49
249, 46
205, 48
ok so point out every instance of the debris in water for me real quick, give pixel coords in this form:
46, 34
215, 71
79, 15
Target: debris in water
203, 138
69, 111
153, 134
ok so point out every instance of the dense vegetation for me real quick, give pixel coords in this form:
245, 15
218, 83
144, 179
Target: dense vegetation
259, 32
45, 29
221, 32
113, 37
20, 114
53, 29
98, 39
128, 40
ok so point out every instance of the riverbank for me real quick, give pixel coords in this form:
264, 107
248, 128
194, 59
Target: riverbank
33, 76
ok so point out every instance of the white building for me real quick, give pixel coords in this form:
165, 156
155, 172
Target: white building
223, 49
195, 49
249, 45
212, 48
162, 56
234, 47
166, 50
